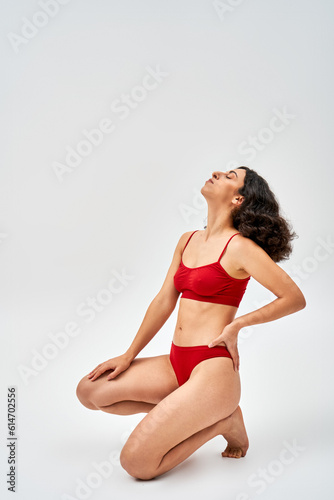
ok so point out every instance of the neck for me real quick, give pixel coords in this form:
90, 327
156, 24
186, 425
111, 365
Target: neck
219, 221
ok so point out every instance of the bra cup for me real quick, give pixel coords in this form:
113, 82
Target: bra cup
207, 284
210, 283
206, 281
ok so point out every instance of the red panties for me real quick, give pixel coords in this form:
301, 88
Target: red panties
184, 359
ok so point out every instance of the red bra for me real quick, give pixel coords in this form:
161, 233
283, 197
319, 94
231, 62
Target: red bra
210, 283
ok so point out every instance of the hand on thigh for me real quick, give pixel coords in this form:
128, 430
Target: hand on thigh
147, 379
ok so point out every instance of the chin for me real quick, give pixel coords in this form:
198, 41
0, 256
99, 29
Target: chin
203, 188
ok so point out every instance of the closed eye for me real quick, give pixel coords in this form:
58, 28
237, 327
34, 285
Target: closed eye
232, 172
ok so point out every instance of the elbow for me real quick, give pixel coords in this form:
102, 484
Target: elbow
166, 303
300, 302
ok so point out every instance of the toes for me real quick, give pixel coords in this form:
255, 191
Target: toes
232, 453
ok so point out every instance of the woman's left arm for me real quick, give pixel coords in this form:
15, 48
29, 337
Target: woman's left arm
290, 299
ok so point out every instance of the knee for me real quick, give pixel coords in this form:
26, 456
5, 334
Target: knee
134, 463
84, 391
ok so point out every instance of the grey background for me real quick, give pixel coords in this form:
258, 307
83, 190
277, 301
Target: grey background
124, 208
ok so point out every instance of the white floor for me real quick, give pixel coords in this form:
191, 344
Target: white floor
67, 452
74, 455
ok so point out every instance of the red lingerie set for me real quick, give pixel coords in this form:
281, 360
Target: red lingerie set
209, 283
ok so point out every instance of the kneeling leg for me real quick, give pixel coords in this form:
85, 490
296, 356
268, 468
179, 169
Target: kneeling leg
136, 390
182, 422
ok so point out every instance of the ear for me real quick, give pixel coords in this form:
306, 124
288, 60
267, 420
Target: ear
237, 201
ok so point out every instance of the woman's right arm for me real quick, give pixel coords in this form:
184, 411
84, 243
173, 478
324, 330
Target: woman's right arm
156, 315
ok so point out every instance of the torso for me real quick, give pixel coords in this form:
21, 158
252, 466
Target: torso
198, 322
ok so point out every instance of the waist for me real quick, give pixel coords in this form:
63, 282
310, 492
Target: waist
198, 323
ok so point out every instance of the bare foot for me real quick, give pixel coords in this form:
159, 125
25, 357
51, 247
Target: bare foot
235, 435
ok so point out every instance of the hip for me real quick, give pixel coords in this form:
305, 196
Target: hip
185, 358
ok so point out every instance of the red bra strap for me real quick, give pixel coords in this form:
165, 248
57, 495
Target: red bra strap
226, 246
188, 240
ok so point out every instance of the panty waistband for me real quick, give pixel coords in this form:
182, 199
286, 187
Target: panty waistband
196, 347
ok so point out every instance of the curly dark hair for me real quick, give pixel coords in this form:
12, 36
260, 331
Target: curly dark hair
259, 218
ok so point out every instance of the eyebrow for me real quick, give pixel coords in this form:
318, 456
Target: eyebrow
234, 172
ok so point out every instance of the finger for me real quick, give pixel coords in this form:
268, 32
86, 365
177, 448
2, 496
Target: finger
236, 362
215, 342
98, 373
235, 357
96, 367
93, 373
114, 373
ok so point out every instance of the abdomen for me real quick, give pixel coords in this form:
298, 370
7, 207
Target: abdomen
200, 322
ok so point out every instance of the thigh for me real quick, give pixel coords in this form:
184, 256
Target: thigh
211, 394
148, 379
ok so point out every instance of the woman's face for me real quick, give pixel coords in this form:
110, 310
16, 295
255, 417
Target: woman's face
225, 185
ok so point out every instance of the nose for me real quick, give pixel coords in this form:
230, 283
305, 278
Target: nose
216, 174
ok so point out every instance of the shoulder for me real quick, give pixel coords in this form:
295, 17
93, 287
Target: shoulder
185, 237
255, 261
243, 244
244, 250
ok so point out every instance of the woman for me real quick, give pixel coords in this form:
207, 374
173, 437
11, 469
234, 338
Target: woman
193, 394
